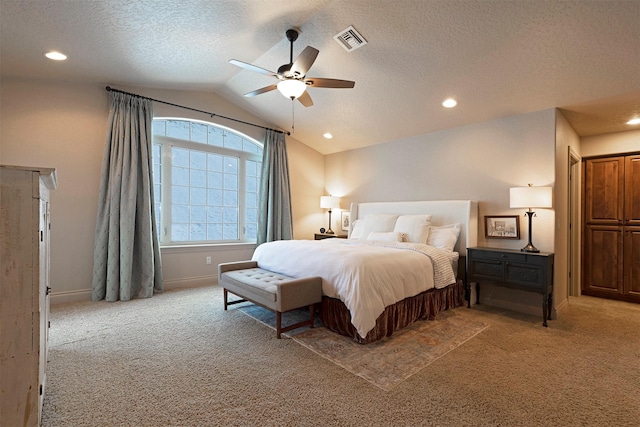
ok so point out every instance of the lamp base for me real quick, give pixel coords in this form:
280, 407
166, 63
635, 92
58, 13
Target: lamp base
329, 230
530, 248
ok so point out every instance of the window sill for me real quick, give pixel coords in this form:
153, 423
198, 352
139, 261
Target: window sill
207, 246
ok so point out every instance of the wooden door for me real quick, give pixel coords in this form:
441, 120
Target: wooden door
632, 190
632, 264
604, 186
603, 273
611, 251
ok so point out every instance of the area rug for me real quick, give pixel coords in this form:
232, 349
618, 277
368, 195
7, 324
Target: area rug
390, 361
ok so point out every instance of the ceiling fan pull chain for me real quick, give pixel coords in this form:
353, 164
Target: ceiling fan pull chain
293, 115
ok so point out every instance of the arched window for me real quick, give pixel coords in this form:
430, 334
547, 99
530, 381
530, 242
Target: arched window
206, 182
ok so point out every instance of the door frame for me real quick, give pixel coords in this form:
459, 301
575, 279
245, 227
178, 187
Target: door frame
575, 226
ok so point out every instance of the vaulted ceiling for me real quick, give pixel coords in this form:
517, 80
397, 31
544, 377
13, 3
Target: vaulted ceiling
497, 58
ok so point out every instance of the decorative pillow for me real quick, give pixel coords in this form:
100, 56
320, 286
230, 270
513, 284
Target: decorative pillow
416, 227
378, 223
444, 237
357, 229
387, 236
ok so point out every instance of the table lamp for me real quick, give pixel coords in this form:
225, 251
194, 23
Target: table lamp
530, 197
329, 202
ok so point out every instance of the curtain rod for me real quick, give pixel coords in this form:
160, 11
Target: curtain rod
110, 89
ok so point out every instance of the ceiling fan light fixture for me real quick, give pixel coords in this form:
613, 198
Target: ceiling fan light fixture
291, 88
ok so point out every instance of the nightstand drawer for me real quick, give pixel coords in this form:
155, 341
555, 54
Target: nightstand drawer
507, 255
524, 275
486, 268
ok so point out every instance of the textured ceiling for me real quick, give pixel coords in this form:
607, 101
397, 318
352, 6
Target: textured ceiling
497, 58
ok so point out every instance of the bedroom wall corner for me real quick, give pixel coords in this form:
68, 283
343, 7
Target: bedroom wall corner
567, 141
306, 171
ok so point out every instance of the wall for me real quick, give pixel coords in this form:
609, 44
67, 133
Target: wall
478, 162
612, 143
306, 168
64, 126
566, 139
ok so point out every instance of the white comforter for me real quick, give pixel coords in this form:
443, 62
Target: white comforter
366, 276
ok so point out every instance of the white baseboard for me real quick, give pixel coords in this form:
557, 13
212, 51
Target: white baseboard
85, 294
70, 296
190, 282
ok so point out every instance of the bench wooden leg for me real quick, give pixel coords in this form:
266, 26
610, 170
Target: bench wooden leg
226, 299
310, 322
278, 324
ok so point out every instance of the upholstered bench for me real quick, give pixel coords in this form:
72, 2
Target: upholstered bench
273, 291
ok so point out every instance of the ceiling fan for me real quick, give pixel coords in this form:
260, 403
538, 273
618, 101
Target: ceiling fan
293, 81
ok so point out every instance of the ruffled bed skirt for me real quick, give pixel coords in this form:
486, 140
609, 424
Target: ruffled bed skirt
426, 305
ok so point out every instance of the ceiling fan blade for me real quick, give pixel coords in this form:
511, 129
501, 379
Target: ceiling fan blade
305, 99
304, 61
261, 90
330, 83
251, 67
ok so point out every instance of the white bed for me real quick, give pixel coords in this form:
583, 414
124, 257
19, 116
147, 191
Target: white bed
373, 287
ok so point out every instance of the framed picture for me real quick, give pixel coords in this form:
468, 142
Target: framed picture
502, 227
345, 220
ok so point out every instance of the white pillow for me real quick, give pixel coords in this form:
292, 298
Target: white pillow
357, 228
387, 236
444, 237
416, 227
378, 223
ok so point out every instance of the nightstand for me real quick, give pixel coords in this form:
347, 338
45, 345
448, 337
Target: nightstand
320, 236
528, 271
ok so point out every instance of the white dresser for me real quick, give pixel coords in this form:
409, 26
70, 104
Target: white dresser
24, 291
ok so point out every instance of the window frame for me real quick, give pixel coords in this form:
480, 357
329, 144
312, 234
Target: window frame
167, 143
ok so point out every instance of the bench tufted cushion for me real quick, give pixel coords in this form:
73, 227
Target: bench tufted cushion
258, 281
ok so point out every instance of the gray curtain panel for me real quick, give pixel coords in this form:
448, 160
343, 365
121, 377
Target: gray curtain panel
275, 221
126, 261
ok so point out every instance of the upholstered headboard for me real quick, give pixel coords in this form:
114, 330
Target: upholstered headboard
444, 212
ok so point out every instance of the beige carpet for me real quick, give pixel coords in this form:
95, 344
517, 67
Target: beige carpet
387, 362
179, 359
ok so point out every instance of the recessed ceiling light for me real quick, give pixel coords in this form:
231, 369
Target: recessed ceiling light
56, 56
328, 135
634, 121
449, 103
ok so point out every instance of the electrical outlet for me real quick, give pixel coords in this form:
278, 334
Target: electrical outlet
208, 260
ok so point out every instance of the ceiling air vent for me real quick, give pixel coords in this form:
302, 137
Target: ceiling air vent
350, 39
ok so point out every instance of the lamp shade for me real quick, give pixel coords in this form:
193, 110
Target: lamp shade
329, 202
292, 88
530, 197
